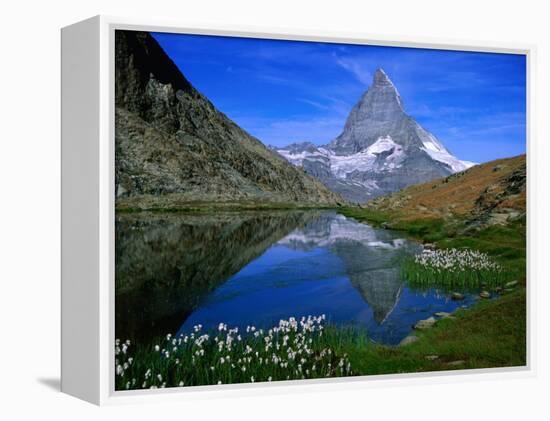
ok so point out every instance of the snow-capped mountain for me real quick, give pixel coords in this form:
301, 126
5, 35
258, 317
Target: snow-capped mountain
380, 150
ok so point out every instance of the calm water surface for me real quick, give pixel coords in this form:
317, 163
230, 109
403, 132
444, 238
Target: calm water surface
254, 268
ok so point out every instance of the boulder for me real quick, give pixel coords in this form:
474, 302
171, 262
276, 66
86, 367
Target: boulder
510, 284
485, 294
455, 363
425, 324
408, 340
457, 296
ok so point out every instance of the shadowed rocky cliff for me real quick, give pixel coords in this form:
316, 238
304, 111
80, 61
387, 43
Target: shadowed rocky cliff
172, 143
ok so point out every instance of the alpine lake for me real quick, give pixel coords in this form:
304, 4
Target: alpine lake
254, 268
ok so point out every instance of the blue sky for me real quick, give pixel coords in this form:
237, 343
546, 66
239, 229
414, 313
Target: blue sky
289, 91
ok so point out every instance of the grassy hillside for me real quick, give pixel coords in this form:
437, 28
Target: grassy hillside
483, 208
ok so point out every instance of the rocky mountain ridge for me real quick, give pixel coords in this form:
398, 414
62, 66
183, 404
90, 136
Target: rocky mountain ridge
172, 143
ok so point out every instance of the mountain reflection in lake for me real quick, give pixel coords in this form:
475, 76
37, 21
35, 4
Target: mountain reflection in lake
254, 268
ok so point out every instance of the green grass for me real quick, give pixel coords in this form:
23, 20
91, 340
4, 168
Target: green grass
365, 214
491, 334
282, 353
418, 276
506, 244
454, 268
426, 230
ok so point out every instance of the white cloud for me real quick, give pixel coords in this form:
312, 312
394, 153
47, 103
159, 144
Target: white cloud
356, 68
334, 106
276, 132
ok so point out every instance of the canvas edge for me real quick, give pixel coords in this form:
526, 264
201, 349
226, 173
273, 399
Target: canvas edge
80, 336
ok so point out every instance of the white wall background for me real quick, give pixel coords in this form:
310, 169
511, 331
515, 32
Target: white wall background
29, 220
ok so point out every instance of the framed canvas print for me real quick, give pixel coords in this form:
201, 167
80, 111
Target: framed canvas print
248, 209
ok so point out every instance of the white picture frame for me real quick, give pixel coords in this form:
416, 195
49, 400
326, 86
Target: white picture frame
88, 211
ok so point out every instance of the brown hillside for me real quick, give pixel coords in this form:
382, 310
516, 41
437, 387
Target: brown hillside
494, 191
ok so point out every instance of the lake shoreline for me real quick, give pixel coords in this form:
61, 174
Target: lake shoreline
478, 337
176, 204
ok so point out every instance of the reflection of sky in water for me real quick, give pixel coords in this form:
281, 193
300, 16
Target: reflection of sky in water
333, 266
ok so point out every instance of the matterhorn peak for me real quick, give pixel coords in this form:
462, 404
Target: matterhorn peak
380, 150
382, 83
381, 78
378, 113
